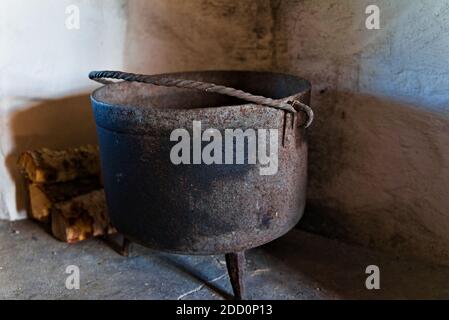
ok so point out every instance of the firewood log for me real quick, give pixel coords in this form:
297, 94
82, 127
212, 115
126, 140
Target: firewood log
71, 230
45, 165
44, 196
93, 204
81, 217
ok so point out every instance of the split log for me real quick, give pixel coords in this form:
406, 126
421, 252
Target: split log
81, 217
45, 165
44, 196
71, 230
65, 187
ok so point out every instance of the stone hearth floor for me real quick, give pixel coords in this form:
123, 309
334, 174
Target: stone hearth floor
297, 266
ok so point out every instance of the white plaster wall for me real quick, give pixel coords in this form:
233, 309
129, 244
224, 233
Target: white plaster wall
44, 85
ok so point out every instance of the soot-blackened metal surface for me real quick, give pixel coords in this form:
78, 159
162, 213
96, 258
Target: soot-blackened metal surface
199, 209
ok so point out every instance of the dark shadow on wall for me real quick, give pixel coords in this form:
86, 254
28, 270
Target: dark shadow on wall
378, 174
57, 123
173, 36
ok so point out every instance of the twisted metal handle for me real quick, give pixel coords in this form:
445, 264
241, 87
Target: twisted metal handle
290, 106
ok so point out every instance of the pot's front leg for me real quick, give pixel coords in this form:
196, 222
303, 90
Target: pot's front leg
235, 262
122, 248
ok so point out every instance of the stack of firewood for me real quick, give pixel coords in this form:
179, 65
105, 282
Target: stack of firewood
65, 190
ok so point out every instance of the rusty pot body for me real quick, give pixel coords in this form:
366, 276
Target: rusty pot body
199, 208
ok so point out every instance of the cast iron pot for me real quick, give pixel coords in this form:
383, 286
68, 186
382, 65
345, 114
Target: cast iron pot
200, 208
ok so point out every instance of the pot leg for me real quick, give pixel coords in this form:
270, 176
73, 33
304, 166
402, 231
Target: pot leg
235, 262
124, 250
121, 248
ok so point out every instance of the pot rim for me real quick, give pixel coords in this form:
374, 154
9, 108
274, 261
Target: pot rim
134, 118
